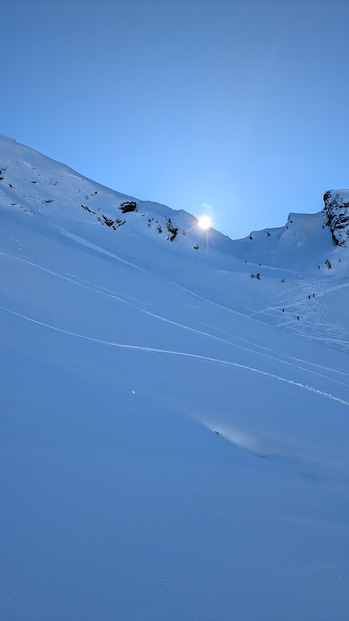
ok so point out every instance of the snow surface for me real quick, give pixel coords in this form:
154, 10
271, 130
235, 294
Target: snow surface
174, 432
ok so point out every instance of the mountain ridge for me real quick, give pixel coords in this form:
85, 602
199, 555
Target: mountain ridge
300, 257
170, 224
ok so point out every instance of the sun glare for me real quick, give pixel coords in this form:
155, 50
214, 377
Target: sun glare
205, 223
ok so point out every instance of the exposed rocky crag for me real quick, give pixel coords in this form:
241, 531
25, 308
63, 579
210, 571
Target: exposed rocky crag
336, 212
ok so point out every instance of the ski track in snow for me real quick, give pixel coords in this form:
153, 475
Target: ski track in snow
107, 292
88, 244
314, 326
292, 358
141, 269
313, 317
112, 294
181, 354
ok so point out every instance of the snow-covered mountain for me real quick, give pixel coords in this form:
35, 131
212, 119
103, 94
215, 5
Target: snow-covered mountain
174, 428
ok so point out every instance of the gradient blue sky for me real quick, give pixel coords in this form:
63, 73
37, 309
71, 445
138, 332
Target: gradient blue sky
237, 108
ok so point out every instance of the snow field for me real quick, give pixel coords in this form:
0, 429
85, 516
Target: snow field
173, 446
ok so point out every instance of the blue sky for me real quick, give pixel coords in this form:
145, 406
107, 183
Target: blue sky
236, 108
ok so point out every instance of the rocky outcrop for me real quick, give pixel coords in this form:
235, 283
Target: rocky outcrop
336, 213
128, 206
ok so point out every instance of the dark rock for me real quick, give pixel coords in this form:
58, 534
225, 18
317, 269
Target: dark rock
172, 229
107, 221
128, 206
336, 212
87, 209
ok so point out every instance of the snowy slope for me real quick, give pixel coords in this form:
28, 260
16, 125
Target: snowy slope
173, 437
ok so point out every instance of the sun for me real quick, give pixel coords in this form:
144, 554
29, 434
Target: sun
205, 222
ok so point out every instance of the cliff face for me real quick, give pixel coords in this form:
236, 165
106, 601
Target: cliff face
336, 212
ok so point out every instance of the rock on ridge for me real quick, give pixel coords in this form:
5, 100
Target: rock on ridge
336, 212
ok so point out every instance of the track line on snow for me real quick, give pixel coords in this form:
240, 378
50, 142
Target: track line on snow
182, 354
108, 293
294, 358
137, 267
